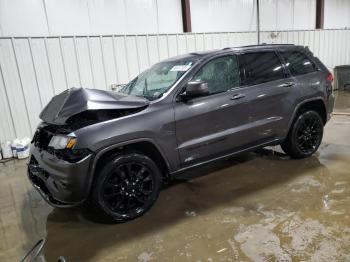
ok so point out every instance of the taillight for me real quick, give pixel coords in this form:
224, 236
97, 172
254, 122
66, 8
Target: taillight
330, 77
330, 86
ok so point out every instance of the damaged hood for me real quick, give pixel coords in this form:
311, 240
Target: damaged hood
76, 100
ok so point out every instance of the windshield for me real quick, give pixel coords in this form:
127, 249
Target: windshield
155, 81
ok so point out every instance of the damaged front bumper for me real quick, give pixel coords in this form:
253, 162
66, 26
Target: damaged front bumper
61, 183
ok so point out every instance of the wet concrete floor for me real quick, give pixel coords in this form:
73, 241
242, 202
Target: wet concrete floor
260, 206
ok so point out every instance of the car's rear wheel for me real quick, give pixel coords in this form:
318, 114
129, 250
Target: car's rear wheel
305, 135
126, 187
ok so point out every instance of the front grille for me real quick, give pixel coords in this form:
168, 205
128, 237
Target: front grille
42, 138
43, 135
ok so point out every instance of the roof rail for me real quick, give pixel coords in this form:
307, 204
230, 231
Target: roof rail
265, 44
262, 44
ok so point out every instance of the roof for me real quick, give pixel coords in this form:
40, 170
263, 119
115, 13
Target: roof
203, 54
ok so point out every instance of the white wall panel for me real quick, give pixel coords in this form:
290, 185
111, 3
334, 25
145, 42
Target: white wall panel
109, 60
56, 63
287, 14
304, 14
14, 90
41, 69
96, 17
89, 17
141, 16
83, 60
223, 15
28, 82
67, 17
268, 14
337, 14
169, 16
7, 128
18, 17
33, 69
107, 17
69, 54
97, 62
240, 15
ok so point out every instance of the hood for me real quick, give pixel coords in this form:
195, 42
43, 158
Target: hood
77, 100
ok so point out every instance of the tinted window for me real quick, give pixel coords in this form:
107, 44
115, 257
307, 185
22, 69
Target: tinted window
298, 63
261, 67
221, 74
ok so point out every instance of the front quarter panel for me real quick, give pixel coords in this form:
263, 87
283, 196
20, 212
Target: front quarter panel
155, 123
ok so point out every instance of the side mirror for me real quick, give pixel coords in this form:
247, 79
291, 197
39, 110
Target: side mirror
195, 89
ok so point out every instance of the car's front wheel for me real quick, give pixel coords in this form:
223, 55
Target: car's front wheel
126, 187
305, 135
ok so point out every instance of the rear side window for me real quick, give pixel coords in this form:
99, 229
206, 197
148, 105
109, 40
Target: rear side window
261, 67
298, 63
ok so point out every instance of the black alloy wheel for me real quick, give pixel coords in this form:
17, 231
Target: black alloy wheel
305, 135
127, 187
309, 133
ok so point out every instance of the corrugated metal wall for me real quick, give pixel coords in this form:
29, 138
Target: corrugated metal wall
32, 70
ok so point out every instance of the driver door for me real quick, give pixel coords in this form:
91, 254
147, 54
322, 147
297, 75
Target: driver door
207, 126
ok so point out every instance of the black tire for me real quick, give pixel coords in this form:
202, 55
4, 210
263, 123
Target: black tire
126, 187
305, 135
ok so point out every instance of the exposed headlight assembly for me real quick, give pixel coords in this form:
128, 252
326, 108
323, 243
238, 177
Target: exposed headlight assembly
62, 142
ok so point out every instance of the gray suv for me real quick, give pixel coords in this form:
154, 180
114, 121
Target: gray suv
115, 150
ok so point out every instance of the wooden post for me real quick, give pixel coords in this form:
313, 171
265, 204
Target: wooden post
186, 15
319, 14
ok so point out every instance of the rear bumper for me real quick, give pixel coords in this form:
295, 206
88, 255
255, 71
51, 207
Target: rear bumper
61, 183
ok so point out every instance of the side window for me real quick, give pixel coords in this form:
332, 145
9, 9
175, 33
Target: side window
298, 63
261, 67
221, 74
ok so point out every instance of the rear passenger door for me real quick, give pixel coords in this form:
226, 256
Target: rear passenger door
306, 73
269, 90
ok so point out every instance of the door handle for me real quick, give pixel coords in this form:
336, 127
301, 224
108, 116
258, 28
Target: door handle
237, 96
287, 84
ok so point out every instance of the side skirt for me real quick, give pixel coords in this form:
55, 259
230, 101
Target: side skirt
270, 143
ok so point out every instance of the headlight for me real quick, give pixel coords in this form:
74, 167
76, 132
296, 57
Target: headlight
62, 142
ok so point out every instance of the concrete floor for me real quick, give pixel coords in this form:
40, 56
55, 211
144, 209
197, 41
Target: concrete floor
257, 207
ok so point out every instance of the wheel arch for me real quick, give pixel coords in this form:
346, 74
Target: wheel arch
145, 145
316, 104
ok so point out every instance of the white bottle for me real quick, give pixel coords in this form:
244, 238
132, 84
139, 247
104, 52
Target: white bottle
13, 147
6, 149
22, 148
